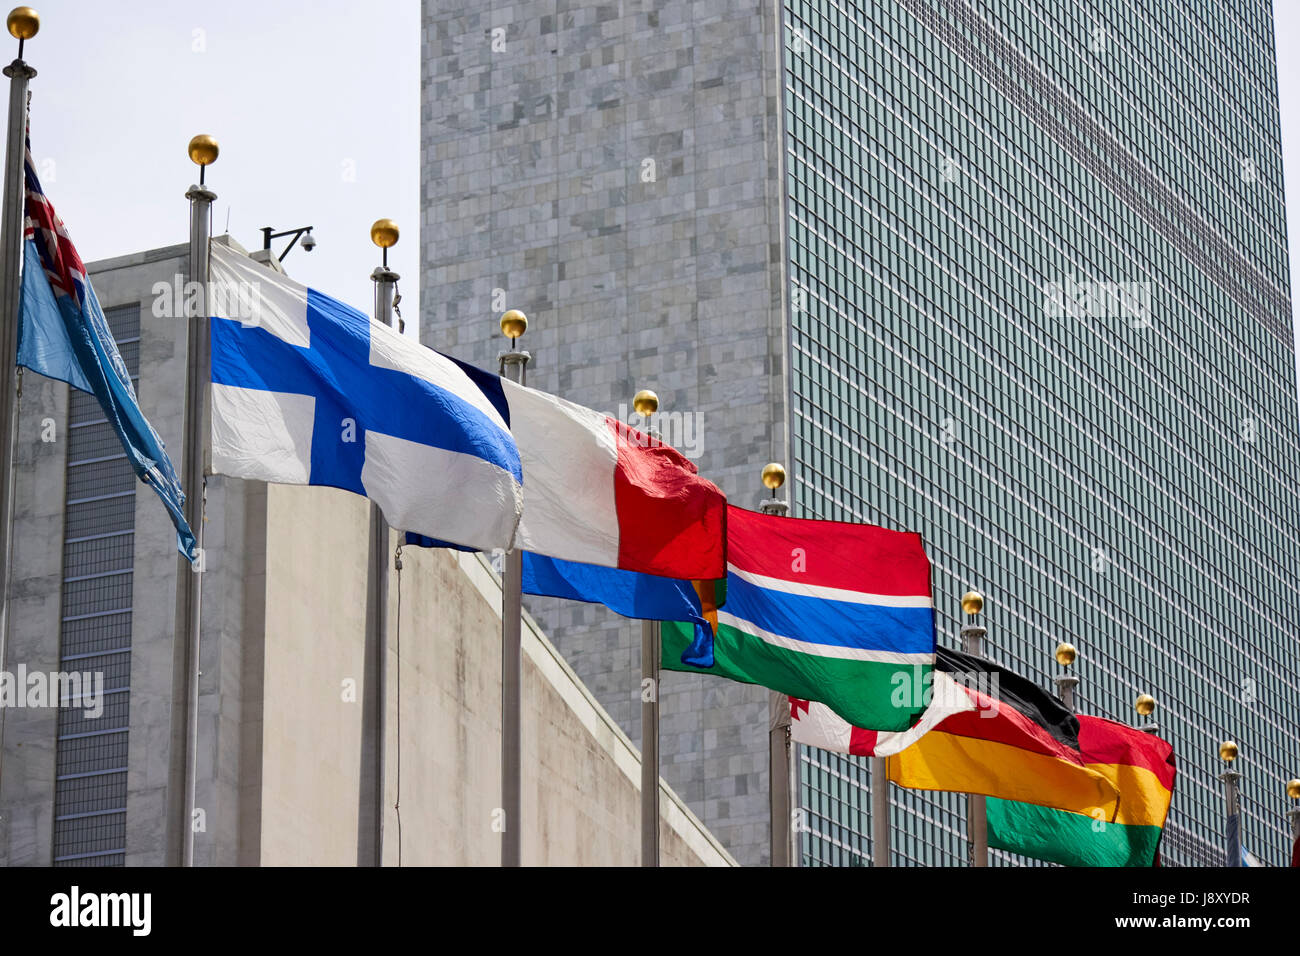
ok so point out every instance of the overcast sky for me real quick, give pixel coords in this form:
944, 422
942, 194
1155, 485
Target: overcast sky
317, 108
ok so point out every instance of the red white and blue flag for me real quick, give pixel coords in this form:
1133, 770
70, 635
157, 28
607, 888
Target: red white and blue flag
823, 610
63, 335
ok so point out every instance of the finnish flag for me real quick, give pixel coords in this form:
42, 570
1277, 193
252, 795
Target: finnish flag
307, 390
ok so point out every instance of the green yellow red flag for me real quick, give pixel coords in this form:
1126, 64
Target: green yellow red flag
1141, 768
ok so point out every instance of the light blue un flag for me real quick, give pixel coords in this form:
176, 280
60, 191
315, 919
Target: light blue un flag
63, 335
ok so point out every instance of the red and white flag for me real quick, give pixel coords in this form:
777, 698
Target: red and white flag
817, 725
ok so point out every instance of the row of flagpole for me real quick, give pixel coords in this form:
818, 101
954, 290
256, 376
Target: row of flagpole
783, 778
1066, 684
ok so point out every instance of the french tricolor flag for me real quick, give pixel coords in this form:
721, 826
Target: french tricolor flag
598, 491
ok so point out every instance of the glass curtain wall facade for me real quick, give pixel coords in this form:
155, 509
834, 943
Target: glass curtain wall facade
1040, 313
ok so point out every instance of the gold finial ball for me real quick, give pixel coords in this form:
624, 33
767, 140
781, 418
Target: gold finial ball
1293, 789
384, 233
1145, 705
645, 402
203, 150
514, 324
1065, 654
24, 23
972, 602
1228, 751
773, 476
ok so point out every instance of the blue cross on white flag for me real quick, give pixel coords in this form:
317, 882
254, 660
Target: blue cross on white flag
309, 391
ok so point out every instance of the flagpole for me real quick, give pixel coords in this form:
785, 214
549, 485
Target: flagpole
513, 366
977, 825
1232, 803
1293, 816
1145, 705
203, 151
646, 404
781, 793
1066, 683
23, 24
384, 234
881, 853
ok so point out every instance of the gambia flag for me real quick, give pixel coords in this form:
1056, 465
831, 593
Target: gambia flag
1141, 768
821, 610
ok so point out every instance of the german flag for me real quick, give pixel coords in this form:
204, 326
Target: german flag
1141, 768
1018, 743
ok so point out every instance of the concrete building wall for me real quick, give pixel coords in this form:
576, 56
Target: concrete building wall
311, 721
28, 734
614, 170
580, 772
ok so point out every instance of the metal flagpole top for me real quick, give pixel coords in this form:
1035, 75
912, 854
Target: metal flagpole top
513, 325
773, 479
1145, 705
1228, 753
203, 151
23, 23
384, 233
972, 634
646, 404
1066, 682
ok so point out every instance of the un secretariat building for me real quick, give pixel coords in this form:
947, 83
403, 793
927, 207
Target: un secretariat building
1010, 275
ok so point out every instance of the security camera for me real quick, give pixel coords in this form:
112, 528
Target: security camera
308, 243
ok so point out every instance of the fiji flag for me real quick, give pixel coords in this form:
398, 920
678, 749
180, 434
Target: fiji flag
62, 334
